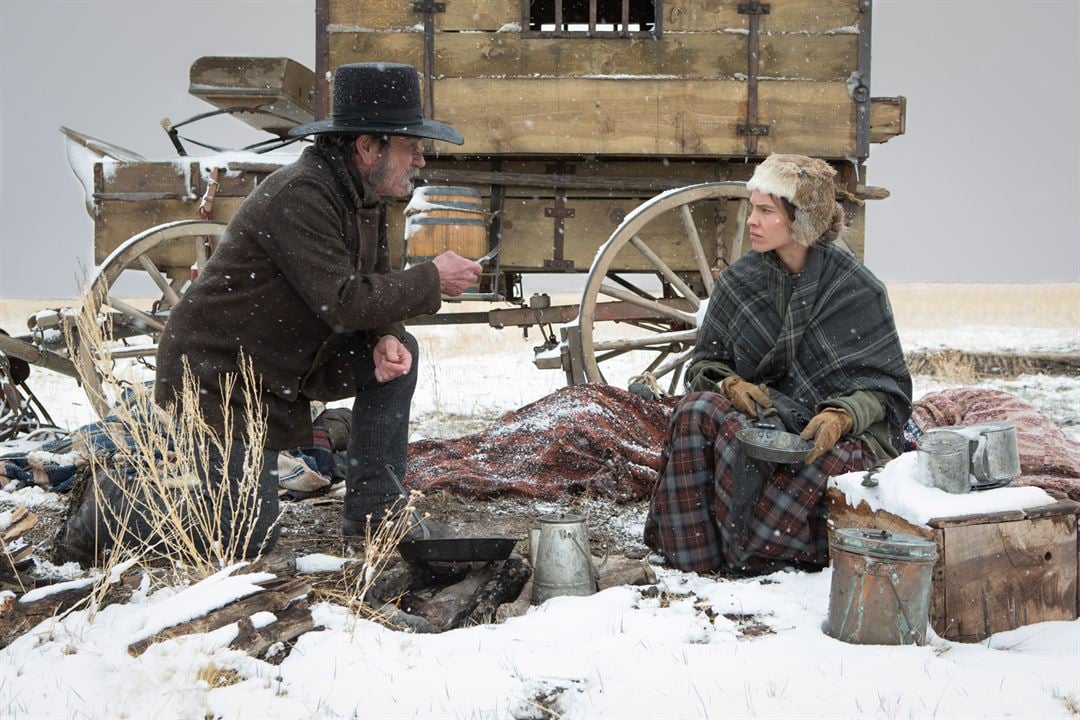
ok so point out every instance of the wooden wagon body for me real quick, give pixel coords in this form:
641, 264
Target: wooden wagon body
576, 114
566, 129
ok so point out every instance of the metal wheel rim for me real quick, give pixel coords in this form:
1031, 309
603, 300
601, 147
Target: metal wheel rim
126, 256
634, 222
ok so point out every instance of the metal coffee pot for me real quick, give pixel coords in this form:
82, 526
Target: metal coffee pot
561, 558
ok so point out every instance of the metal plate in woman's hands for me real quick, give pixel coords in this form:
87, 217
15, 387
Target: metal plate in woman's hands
775, 446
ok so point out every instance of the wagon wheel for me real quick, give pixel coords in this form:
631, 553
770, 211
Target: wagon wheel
654, 330
132, 331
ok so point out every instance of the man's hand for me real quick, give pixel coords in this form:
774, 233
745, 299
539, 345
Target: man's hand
744, 394
392, 359
456, 273
825, 429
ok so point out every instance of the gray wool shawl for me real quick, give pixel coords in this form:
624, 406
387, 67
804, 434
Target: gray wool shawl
825, 334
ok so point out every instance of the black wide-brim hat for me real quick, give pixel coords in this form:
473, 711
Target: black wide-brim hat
378, 98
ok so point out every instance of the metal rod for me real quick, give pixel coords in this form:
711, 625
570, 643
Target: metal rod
322, 58
862, 90
429, 60
753, 54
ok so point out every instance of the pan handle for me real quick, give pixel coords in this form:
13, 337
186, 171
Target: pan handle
761, 423
425, 532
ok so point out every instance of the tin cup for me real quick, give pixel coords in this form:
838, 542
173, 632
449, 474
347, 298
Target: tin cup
996, 455
944, 461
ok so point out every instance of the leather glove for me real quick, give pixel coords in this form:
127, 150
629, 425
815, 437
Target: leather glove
825, 429
744, 394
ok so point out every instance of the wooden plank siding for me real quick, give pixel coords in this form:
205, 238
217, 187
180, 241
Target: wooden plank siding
635, 117
489, 15
679, 15
819, 16
682, 94
686, 56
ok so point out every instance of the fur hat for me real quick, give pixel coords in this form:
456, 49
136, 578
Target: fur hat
806, 183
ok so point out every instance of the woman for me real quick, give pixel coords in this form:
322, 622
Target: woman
800, 330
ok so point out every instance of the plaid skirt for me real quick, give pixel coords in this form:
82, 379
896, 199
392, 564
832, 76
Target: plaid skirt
690, 517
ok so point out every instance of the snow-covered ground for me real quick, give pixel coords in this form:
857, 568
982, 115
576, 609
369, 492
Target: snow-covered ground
699, 648
686, 653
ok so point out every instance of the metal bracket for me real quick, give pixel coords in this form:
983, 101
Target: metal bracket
426, 6
559, 213
753, 130
754, 8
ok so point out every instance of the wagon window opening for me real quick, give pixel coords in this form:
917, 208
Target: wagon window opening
592, 18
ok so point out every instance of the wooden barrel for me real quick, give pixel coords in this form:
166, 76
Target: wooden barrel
438, 219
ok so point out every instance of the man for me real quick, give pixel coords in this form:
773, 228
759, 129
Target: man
301, 285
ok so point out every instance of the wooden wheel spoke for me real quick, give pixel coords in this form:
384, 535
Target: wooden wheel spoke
620, 280
613, 354
741, 214
135, 313
674, 384
159, 279
667, 246
675, 362
647, 304
666, 271
647, 341
201, 256
657, 360
698, 249
128, 321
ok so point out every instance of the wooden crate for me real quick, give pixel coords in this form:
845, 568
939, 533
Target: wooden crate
995, 571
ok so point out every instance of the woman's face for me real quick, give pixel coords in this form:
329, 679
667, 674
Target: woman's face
769, 226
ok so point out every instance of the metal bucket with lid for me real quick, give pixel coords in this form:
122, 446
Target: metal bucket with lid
881, 585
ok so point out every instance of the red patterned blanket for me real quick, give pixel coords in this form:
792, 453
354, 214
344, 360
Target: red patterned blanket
602, 441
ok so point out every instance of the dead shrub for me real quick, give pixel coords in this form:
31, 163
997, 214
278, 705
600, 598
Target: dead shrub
157, 460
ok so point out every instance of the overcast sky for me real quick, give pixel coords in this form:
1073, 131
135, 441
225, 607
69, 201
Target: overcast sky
986, 185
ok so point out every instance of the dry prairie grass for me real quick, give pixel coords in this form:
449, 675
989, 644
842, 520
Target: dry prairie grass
165, 508
919, 306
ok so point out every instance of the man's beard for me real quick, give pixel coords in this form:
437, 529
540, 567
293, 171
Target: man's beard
383, 172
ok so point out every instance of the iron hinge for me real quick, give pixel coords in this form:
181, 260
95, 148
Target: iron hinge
745, 129
754, 8
426, 6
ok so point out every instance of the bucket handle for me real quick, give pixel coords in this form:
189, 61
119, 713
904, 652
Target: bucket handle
588, 558
905, 624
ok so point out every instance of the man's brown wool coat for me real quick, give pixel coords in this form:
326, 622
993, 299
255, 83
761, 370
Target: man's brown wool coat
300, 279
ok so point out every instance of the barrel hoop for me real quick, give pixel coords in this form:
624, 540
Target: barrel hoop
440, 190
421, 220
466, 206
